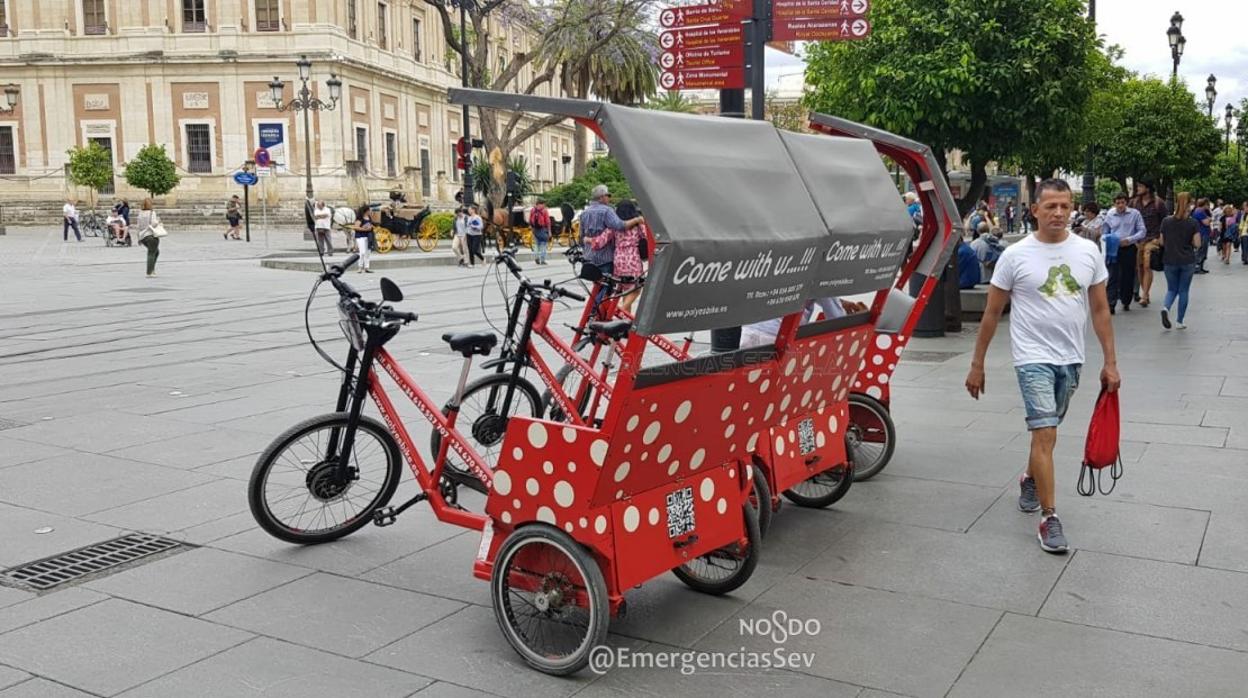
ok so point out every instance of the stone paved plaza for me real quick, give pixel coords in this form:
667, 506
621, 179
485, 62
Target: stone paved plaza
134, 404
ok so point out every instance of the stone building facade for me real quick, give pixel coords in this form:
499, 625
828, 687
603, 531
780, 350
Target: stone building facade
194, 76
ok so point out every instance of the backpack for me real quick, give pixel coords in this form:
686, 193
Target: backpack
1101, 449
540, 218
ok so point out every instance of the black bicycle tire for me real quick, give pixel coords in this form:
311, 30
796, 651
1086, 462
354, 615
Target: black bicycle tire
742, 575
503, 379
890, 435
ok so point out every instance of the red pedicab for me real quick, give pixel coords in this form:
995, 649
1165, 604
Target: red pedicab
895, 312
576, 514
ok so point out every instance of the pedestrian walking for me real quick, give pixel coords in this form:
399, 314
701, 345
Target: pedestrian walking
234, 217
1180, 238
1052, 280
1092, 225
70, 214
1009, 217
1153, 211
539, 221
598, 221
1124, 227
1243, 232
1230, 232
459, 236
476, 233
151, 230
1203, 218
323, 220
628, 261
363, 231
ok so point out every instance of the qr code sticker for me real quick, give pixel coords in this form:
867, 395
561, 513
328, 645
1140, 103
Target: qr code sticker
680, 512
806, 436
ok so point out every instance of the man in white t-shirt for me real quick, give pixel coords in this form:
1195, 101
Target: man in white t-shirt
70, 214
1050, 279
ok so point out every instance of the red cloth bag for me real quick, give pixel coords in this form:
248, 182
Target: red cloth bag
1102, 449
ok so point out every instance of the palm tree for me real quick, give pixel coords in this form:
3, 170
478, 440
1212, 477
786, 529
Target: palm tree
673, 101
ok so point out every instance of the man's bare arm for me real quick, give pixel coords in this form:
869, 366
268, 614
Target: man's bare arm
997, 298
1104, 328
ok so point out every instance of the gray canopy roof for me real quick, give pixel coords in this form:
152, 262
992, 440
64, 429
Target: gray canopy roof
750, 222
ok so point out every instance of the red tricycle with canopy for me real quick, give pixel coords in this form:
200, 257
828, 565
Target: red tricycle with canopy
577, 513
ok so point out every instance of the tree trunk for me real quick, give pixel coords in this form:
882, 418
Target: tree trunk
979, 177
580, 151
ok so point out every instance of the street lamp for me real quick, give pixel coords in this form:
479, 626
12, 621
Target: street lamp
306, 103
10, 97
1241, 136
463, 70
1230, 114
1177, 41
1089, 160
1211, 93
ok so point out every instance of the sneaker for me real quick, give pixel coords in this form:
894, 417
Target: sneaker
1181, 326
368, 271
1165, 318
1052, 540
1113, 309
1028, 502
1126, 308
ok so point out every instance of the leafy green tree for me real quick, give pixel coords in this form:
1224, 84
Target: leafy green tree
790, 116
1225, 180
152, 171
1154, 130
604, 170
673, 101
90, 166
987, 77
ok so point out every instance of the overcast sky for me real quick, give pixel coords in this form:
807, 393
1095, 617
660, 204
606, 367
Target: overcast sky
1217, 42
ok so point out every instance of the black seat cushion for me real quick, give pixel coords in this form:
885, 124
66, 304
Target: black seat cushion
616, 329
470, 343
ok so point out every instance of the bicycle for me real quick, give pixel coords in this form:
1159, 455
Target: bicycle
92, 225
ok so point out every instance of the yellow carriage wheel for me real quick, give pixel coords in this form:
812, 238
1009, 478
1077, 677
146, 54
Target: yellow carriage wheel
428, 239
401, 242
385, 241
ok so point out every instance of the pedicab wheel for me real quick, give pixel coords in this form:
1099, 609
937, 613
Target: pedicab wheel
825, 488
481, 419
872, 436
385, 240
294, 494
723, 570
549, 598
402, 242
428, 239
760, 499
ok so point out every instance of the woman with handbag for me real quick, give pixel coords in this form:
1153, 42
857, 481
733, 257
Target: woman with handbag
151, 230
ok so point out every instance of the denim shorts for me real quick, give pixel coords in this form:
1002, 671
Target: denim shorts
1046, 392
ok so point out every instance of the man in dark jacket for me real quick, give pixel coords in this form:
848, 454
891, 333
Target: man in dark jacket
1153, 211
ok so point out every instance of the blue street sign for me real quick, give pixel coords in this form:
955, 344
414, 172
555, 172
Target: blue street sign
247, 179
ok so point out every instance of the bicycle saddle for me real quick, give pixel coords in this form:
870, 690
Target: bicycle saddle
616, 329
471, 343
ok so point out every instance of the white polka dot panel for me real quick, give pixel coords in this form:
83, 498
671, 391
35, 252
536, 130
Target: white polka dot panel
564, 494
537, 434
682, 413
502, 482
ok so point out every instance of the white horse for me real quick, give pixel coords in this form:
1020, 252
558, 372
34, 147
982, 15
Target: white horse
344, 219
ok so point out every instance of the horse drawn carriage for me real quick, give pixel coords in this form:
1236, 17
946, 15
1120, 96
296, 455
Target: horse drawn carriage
578, 510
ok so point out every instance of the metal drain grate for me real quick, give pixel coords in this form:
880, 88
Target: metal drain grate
929, 357
11, 424
66, 567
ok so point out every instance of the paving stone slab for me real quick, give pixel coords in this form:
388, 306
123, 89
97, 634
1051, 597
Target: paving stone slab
82, 483
212, 531
10, 596
468, 649
972, 464
684, 677
917, 646
1226, 541
113, 645
43, 607
443, 569
42, 688
1197, 460
929, 503
1162, 599
275, 669
21, 543
16, 451
9, 677
1174, 434
336, 614
101, 435
976, 570
1173, 487
194, 450
1106, 525
178, 510
1022, 652
442, 689
197, 581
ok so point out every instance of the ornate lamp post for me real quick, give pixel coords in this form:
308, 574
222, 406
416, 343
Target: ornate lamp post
1089, 163
306, 103
1241, 137
1230, 114
1211, 93
10, 97
1177, 41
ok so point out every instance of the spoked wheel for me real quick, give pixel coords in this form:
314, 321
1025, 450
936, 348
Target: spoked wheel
402, 242
722, 570
481, 419
550, 599
428, 239
871, 434
825, 488
295, 491
385, 240
760, 499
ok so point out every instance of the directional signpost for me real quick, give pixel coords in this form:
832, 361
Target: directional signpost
707, 57
821, 29
720, 79
811, 9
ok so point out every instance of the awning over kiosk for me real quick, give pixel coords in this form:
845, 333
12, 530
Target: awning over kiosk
750, 221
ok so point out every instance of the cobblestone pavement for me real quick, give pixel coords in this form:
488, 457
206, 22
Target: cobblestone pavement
136, 404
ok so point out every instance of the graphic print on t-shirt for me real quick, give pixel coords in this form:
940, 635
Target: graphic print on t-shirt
1069, 285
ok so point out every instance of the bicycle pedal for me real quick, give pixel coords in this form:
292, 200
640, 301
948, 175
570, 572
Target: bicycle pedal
385, 516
